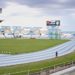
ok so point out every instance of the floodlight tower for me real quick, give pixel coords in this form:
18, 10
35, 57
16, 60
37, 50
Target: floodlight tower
0, 13
53, 29
1, 20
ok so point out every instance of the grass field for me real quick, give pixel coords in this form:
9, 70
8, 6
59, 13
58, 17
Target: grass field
36, 66
17, 46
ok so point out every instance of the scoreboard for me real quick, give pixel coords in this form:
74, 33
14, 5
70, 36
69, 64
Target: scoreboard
53, 23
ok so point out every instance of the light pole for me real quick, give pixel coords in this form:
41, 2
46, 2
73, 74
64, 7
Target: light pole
0, 13
1, 20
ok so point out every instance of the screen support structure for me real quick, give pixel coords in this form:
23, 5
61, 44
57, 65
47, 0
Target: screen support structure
53, 29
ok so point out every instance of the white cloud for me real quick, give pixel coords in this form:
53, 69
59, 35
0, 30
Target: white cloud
20, 15
62, 1
14, 8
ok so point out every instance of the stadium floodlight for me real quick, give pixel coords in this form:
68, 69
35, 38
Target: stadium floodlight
0, 10
0, 13
1, 21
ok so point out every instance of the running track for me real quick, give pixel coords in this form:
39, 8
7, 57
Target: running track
7, 60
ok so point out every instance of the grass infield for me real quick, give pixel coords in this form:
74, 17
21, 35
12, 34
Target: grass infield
17, 46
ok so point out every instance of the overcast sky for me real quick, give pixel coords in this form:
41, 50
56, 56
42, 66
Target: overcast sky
37, 12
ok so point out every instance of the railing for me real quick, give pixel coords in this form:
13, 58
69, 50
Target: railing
47, 70
55, 68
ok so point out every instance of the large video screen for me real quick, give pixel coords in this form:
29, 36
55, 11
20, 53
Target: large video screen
51, 23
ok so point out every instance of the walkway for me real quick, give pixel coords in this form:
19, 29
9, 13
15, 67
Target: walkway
65, 72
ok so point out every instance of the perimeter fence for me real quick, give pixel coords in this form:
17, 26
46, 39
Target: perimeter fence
45, 71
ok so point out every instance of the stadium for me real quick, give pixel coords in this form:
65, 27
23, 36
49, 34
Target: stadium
34, 50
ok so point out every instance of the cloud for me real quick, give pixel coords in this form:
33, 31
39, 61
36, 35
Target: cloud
52, 7
46, 6
45, 3
33, 3
62, 4
3, 3
16, 9
15, 14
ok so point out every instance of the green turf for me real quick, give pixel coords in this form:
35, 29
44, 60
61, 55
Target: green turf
36, 66
16, 46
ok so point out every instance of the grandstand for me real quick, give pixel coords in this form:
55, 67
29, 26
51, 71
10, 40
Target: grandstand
30, 32
21, 32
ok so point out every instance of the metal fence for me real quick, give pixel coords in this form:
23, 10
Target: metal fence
55, 68
47, 70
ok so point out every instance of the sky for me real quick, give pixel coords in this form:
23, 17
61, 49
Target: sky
35, 13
